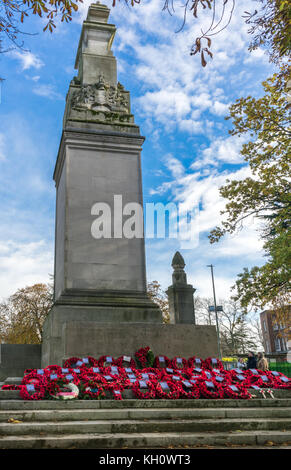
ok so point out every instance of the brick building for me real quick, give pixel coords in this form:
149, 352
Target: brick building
274, 339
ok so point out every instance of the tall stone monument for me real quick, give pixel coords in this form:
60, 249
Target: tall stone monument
100, 300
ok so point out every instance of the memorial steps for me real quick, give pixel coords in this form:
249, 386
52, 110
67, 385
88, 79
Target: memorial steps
132, 423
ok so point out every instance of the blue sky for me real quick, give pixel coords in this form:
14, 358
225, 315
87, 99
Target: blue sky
180, 108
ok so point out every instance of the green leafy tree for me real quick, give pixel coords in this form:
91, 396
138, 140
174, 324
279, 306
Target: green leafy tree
266, 194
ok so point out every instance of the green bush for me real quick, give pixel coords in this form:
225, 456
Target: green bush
284, 367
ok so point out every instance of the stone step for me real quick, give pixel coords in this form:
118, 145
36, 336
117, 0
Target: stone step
145, 426
59, 415
11, 404
146, 440
128, 395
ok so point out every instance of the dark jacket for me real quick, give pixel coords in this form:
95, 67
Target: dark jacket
251, 363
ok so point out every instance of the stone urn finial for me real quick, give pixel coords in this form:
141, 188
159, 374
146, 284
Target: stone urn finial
178, 261
178, 264
180, 294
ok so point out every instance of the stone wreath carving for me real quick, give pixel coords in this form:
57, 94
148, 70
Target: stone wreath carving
101, 97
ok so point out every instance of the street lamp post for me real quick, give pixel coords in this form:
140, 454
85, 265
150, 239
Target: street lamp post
215, 309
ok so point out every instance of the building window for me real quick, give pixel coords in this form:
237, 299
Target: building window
277, 344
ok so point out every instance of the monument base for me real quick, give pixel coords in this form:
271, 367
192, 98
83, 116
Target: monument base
92, 338
77, 307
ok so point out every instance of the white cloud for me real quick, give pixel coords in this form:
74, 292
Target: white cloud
226, 150
47, 91
23, 264
28, 60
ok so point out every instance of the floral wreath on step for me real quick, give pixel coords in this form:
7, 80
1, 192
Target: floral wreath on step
72, 363
92, 390
179, 363
241, 393
149, 394
154, 374
161, 362
279, 384
11, 387
34, 378
144, 357
213, 363
120, 362
191, 393
192, 362
102, 362
174, 390
38, 389
207, 392
54, 389
89, 362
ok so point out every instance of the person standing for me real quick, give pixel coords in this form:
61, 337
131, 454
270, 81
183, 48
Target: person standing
240, 364
262, 362
251, 362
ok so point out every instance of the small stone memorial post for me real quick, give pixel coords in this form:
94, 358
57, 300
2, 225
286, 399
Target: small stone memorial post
180, 294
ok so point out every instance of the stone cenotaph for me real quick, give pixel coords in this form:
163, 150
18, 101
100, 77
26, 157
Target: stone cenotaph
100, 297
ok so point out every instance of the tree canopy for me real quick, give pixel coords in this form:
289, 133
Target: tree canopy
266, 193
22, 315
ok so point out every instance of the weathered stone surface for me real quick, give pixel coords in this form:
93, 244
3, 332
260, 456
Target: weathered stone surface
15, 358
180, 294
117, 339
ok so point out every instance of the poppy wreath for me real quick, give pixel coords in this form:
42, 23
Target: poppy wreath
108, 371
242, 392
39, 391
226, 379
55, 389
120, 362
262, 383
279, 384
216, 392
54, 386
161, 362
112, 385
92, 362
71, 363
179, 363
102, 361
192, 392
165, 374
93, 391
192, 362
33, 378
144, 357
173, 394
11, 387
209, 364
154, 374
101, 370
53, 369
234, 379
88, 374
117, 394
150, 392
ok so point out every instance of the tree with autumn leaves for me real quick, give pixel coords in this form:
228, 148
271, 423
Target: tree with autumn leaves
22, 315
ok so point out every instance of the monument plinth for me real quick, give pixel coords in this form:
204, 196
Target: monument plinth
100, 289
